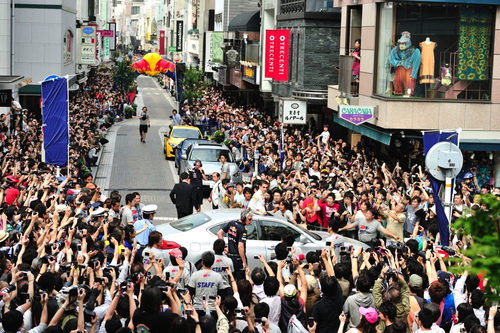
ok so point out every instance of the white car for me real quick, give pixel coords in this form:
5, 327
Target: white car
198, 232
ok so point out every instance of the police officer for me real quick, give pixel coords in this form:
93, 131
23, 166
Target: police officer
197, 176
236, 239
145, 226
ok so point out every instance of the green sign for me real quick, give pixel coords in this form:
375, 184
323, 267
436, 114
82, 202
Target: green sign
217, 40
172, 49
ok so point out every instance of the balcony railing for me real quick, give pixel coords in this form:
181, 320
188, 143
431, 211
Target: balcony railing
289, 9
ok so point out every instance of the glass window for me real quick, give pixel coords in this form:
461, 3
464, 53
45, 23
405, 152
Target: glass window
434, 51
209, 155
186, 133
251, 230
271, 230
190, 222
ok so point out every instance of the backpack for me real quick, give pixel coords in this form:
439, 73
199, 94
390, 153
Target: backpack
295, 326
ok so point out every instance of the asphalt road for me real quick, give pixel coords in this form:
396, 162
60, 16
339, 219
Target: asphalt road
141, 167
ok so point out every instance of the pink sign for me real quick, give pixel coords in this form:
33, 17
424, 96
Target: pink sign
106, 33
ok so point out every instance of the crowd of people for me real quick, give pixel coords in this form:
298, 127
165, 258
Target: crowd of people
75, 260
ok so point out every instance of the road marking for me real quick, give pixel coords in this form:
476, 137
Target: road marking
171, 164
163, 218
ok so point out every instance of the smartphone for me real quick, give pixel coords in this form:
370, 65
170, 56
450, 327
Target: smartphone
256, 257
328, 243
189, 311
79, 247
167, 276
204, 298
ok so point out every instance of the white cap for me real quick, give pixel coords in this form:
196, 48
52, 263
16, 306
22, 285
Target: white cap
98, 212
149, 209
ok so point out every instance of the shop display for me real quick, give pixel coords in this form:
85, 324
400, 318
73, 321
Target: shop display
474, 43
405, 62
446, 75
427, 66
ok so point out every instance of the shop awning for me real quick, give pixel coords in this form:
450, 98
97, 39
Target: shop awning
365, 130
480, 140
249, 21
34, 89
30, 89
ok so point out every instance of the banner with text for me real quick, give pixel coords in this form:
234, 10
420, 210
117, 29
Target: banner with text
277, 54
179, 35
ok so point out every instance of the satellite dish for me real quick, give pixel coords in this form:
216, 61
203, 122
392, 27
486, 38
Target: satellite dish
444, 159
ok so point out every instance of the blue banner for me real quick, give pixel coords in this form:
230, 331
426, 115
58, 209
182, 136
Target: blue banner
430, 139
55, 121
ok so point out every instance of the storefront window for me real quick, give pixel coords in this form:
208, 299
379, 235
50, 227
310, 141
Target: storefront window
434, 51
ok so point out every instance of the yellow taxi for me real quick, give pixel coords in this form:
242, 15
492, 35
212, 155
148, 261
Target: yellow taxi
175, 136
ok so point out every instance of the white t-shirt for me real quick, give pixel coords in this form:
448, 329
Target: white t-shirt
325, 135
274, 308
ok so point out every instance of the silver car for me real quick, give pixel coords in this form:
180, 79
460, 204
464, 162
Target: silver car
208, 154
198, 232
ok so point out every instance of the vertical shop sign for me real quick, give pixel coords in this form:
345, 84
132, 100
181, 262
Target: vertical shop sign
277, 54
162, 41
179, 35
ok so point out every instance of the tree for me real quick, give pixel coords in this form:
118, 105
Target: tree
123, 76
483, 227
193, 84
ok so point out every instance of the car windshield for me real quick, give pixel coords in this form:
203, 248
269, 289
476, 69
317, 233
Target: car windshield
190, 222
209, 155
186, 144
185, 133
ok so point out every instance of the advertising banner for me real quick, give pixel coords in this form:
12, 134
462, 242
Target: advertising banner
112, 40
55, 120
356, 114
162, 41
217, 52
179, 35
208, 52
277, 54
88, 45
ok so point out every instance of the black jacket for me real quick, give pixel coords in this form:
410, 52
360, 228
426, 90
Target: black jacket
183, 196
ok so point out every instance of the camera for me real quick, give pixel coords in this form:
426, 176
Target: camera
451, 251
45, 259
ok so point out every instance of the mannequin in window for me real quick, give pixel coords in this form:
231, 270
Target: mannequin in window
405, 61
446, 75
427, 66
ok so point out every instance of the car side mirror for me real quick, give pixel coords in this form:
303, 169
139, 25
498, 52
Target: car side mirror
303, 239
238, 160
184, 157
166, 135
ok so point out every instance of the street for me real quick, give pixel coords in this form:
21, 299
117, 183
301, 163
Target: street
127, 165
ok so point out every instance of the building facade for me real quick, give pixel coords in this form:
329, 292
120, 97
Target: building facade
425, 65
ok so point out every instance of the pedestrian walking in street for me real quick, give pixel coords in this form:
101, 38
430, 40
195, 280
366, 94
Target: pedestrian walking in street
197, 176
184, 197
144, 123
236, 242
176, 118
